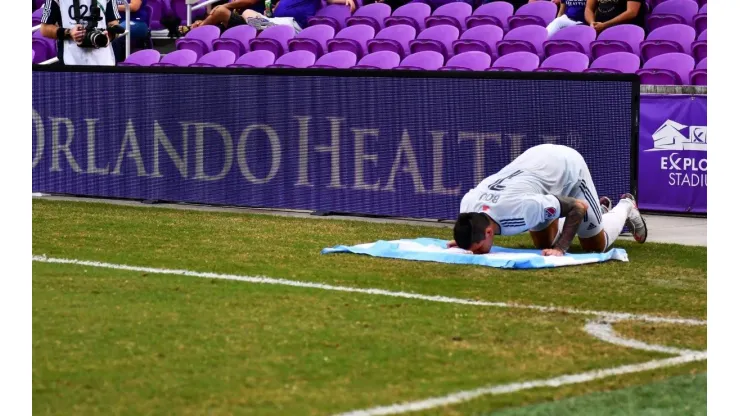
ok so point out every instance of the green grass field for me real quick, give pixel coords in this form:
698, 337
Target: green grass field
132, 342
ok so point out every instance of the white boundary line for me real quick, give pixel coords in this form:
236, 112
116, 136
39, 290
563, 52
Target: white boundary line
604, 331
467, 395
601, 330
613, 316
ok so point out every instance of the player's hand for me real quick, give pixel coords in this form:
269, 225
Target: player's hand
553, 252
451, 244
598, 26
351, 5
78, 33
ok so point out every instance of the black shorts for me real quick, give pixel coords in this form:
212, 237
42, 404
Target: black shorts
235, 19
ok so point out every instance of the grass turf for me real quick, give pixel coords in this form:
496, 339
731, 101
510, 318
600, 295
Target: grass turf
129, 343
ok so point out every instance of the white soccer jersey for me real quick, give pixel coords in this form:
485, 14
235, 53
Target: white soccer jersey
521, 196
62, 13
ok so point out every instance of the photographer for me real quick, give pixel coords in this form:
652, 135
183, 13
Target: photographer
83, 31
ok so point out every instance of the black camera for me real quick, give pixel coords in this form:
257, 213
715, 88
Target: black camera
95, 37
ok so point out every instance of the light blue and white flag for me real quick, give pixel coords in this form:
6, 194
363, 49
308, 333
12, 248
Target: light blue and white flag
432, 249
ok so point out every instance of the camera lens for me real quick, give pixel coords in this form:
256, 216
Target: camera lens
99, 39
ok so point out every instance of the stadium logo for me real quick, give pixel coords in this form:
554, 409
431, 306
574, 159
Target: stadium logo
669, 137
684, 170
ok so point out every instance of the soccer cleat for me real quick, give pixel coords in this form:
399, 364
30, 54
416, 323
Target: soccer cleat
606, 204
635, 222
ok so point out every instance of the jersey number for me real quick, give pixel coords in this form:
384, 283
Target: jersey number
83, 11
496, 186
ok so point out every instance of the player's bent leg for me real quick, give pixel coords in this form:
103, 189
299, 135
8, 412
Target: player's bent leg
545, 237
595, 244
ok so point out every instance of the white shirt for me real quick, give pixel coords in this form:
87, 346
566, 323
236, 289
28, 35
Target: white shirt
62, 13
521, 196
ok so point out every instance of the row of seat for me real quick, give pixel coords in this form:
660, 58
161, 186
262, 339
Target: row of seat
463, 15
668, 69
402, 39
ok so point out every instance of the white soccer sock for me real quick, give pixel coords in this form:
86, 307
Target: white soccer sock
614, 220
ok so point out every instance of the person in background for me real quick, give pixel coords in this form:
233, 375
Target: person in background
570, 13
603, 14
226, 16
290, 12
138, 27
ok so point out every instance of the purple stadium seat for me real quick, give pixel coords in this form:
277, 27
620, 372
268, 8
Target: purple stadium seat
394, 38
373, 15
615, 63
468, 61
256, 59
145, 57
667, 69
482, 38
182, 57
672, 12
702, 2
295, 59
528, 38
437, 38
274, 39
199, 40
496, 13
36, 17
352, 38
425, 60
158, 9
565, 62
235, 40
699, 48
571, 39
215, 59
539, 13
667, 39
334, 15
412, 14
38, 3
700, 20
33, 55
453, 14
621, 38
379, 60
44, 48
699, 75
312, 39
338, 59
516, 61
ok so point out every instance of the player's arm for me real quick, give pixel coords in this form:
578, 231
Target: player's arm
573, 210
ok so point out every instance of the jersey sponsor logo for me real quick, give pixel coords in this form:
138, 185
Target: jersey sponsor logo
512, 222
497, 186
550, 213
492, 198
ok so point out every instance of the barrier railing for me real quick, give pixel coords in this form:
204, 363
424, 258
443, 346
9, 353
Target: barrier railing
191, 5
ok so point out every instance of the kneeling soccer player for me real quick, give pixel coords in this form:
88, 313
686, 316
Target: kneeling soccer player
541, 186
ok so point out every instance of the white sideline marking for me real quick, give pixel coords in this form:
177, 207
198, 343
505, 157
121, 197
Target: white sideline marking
600, 330
604, 331
614, 316
467, 395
